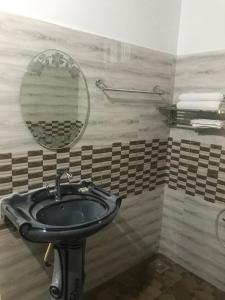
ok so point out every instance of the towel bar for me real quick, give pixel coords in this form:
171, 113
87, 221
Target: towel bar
101, 85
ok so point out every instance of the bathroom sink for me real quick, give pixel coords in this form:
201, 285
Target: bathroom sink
63, 215
82, 210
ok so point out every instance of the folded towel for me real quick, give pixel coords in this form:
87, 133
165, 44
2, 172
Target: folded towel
199, 105
201, 97
206, 123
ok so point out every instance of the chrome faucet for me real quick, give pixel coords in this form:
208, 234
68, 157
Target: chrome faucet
59, 175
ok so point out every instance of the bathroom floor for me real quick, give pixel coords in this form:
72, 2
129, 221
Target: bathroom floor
168, 281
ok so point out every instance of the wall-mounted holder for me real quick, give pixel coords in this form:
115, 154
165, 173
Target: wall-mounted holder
182, 118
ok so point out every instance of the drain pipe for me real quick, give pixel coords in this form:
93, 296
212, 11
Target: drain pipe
47, 254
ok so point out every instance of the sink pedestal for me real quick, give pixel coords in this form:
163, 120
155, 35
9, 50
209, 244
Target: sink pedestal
83, 210
68, 273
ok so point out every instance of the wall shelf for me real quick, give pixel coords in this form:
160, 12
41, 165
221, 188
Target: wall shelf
181, 118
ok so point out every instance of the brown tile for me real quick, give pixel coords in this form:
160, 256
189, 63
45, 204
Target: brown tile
219, 295
166, 296
169, 278
142, 282
4, 156
203, 295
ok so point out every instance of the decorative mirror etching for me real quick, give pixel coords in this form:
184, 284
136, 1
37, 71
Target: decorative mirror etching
55, 99
55, 59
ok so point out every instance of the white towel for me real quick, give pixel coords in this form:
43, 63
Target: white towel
201, 97
207, 123
199, 105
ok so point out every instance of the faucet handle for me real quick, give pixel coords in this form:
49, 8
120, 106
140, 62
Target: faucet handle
61, 172
69, 175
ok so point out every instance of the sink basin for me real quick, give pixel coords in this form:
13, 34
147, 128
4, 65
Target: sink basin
83, 210
72, 212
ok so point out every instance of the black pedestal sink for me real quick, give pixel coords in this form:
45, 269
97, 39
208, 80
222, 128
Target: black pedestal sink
83, 209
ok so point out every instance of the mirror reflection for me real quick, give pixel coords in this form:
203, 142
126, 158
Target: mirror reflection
55, 99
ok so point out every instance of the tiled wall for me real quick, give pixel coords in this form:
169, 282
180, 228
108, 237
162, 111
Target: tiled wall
188, 235
114, 117
124, 168
135, 170
204, 72
133, 236
197, 169
123, 149
196, 172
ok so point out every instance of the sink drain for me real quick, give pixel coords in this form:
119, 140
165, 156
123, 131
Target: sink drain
159, 266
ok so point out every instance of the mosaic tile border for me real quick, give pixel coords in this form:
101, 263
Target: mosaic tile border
125, 169
122, 168
197, 169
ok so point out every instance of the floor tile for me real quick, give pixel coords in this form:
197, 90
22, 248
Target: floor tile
144, 282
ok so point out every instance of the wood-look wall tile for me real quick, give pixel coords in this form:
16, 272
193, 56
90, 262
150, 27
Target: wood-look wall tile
188, 235
119, 167
112, 118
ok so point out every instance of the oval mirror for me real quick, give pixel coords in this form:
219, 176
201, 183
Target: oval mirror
55, 100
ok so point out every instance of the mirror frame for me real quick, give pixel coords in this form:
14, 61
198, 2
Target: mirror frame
28, 68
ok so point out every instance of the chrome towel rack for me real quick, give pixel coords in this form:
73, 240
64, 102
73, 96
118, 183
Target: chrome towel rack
179, 117
101, 85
